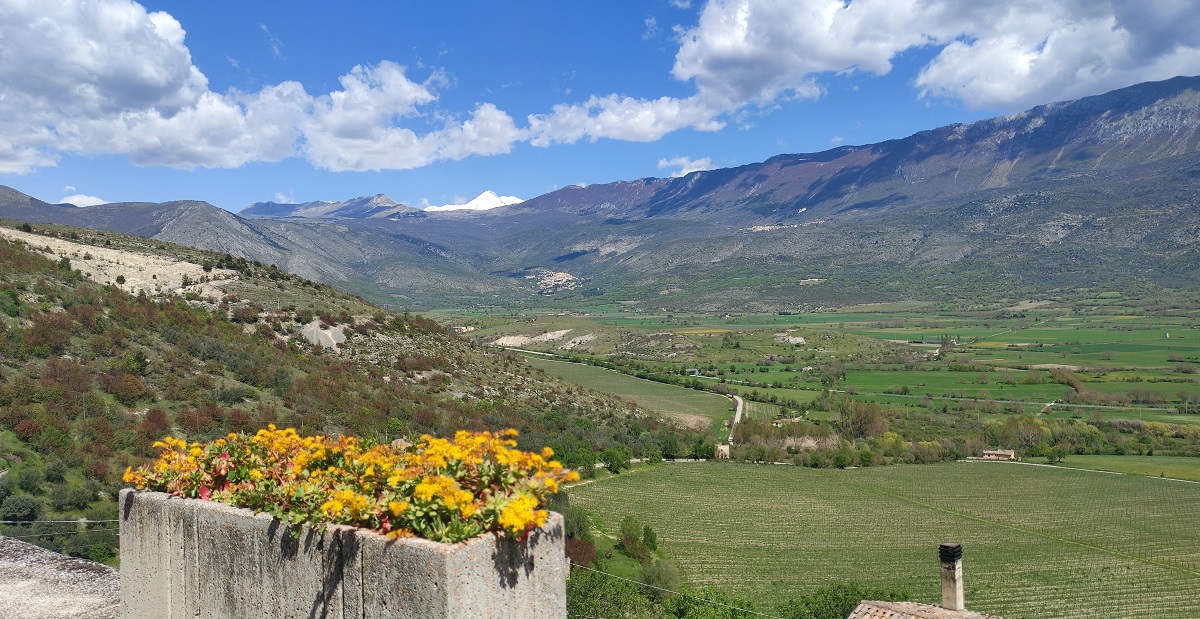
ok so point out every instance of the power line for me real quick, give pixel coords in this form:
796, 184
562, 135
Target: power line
51, 533
687, 595
76, 521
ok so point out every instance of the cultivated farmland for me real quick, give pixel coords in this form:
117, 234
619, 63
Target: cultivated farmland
694, 408
1040, 542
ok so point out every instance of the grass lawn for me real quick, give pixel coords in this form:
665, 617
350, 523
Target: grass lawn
695, 408
1039, 542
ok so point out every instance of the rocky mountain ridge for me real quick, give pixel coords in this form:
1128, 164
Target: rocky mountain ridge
366, 207
1098, 192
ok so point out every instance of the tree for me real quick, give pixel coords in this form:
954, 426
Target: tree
660, 573
834, 601
590, 594
21, 507
30, 479
616, 459
861, 419
55, 471
631, 540
576, 523
649, 538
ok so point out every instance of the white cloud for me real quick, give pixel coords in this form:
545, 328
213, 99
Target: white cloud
681, 4
621, 118
275, 44
283, 198
82, 200
1040, 52
993, 53
837, 139
109, 77
651, 30
686, 166
990, 53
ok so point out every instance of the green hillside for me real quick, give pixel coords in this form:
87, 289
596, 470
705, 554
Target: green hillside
91, 374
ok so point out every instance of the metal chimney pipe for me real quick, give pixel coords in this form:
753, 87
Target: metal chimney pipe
952, 583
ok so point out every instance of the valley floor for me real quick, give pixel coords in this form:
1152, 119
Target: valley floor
1040, 542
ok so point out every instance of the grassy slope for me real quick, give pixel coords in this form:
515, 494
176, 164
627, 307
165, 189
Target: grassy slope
91, 375
1039, 542
685, 405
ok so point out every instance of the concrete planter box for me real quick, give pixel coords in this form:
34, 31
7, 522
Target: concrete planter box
193, 558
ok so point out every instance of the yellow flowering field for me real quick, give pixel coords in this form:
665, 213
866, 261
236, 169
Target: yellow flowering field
439, 489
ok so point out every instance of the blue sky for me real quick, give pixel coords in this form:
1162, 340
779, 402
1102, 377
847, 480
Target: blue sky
433, 103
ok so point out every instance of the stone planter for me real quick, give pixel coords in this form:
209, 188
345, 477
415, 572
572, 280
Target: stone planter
193, 558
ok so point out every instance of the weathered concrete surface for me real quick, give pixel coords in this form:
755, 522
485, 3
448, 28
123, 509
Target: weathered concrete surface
36, 583
202, 559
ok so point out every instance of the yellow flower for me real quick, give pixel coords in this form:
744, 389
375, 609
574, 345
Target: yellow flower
444, 475
519, 514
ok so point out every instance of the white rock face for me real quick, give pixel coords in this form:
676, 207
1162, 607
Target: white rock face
484, 201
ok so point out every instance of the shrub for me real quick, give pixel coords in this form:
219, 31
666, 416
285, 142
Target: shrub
55, 471
21, 507
446, 491
580, 551
30, 479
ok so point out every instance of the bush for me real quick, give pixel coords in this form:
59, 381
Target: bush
835, 601
55, 471
662, 574
21, 507
580, 551
30, 479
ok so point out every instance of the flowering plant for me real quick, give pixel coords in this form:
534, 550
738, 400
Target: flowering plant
443, 490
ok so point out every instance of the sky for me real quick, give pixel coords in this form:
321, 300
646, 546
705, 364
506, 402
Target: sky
236, 102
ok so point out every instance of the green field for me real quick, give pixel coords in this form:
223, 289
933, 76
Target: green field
1039, 542
1153, 466
695, 408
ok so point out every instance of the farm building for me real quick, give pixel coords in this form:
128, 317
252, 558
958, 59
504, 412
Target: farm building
1000, 454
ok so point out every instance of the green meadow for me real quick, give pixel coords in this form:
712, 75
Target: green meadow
688, 406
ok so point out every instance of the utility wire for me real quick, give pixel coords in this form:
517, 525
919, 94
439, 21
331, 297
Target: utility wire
48, 534
76, 521
687, 595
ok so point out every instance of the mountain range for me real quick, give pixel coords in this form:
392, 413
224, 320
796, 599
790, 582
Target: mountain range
1096, 193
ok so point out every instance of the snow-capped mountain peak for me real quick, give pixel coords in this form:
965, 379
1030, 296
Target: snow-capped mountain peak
484, 201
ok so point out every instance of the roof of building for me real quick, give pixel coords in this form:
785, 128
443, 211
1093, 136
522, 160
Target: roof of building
911, 610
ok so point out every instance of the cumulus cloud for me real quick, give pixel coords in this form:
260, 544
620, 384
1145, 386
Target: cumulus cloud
685, 165
110, 77
1004, 54
82, 200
